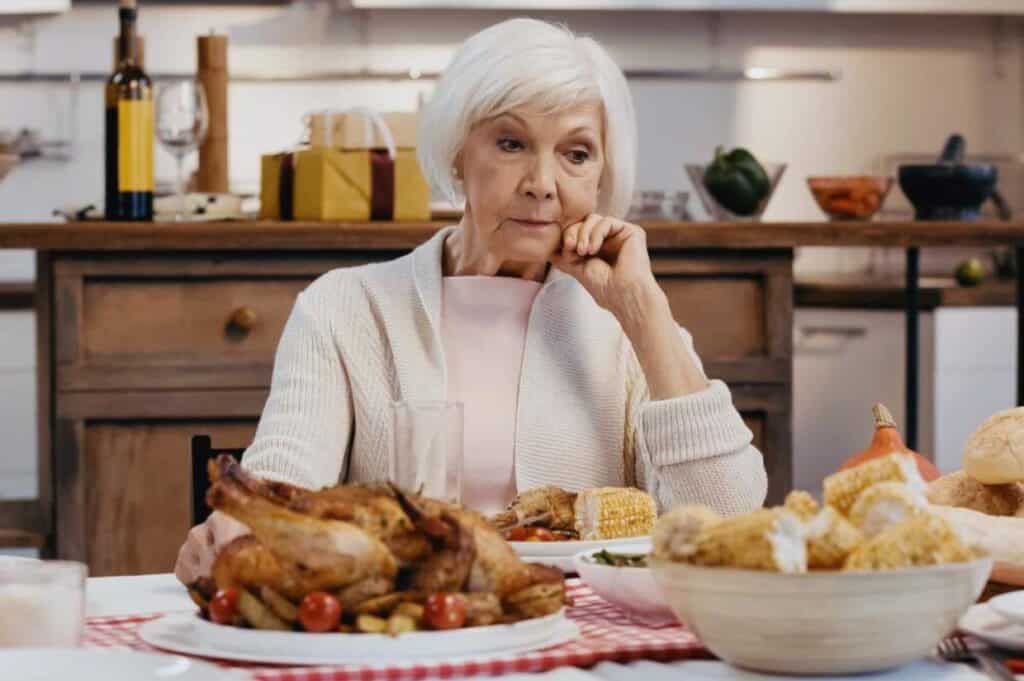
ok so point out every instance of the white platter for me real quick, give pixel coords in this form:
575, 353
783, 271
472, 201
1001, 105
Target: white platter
560, 553
193, 635
46, 664
981, 621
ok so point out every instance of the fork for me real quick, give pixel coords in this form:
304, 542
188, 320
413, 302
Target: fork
954, 649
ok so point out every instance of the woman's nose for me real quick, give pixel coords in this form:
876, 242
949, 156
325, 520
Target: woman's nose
539, 182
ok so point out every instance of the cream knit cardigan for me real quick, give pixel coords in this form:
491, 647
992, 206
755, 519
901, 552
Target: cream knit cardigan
360, 338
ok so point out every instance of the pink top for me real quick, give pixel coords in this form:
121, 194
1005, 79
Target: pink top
484, 323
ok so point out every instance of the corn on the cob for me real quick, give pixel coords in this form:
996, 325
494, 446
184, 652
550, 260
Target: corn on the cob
921, 539
675, 534
843, 488
802, 504
830, 539
885, 504
613, 512
766, 539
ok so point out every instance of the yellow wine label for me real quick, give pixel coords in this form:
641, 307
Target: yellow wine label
135, 145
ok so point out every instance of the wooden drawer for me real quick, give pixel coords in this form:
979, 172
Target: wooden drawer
134, 485
766, 411
173, 324
739, 311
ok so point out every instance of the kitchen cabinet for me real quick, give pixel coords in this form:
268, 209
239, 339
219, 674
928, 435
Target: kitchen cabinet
846, 359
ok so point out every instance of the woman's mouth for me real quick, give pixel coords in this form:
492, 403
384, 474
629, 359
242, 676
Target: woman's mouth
533, 224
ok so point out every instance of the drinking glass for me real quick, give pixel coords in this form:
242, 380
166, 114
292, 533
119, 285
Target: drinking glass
427, 451
182, 118
42, 603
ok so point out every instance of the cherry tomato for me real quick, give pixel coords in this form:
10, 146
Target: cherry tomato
541, 534
224, 606
319, 611
517, 534
444, 611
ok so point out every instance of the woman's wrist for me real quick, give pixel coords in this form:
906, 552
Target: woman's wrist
641, 307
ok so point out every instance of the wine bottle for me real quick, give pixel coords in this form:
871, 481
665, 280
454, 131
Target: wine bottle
129, 129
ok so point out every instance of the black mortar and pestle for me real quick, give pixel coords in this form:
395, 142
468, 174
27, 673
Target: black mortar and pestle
950, 189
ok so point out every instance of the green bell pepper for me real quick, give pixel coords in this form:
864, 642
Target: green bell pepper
737, 181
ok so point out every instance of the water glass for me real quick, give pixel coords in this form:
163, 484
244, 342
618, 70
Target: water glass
427, 451
42, 603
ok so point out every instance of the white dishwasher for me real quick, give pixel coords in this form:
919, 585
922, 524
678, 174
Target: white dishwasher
845, 360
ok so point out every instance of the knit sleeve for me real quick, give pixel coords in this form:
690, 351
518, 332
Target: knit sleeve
304, 431
694, 448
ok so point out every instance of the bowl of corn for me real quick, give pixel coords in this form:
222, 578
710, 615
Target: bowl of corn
869, 580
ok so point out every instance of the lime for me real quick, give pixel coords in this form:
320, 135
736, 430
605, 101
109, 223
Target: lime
970, 272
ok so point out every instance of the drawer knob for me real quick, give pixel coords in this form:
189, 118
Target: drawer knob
243, 319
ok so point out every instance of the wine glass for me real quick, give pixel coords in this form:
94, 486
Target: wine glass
181, 121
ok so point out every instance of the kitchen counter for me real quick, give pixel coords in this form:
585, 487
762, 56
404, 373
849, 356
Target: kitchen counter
860, 292
258, 235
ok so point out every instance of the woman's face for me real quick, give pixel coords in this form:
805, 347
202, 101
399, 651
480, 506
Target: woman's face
527, 176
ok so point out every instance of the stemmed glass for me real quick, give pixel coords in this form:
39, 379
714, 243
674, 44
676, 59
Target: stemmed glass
182, 118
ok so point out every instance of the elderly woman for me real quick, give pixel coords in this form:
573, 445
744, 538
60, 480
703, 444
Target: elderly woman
538, 311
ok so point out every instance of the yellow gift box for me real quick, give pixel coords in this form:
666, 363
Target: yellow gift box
355, 186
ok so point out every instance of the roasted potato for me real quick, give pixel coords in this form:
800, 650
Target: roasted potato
370, 624
258, 615
381, 605
413, 610
400, 624
280, 605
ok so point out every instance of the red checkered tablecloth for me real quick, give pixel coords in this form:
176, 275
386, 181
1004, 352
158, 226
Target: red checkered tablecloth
606, 634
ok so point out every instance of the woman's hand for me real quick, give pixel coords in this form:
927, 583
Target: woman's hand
204, 542
609, 258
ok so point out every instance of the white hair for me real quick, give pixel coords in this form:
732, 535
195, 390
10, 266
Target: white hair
539, 66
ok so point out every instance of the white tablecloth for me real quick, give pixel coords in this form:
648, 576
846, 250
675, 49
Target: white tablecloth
106, 596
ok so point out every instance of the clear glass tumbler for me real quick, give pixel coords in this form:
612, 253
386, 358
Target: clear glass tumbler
427, 450
42, 603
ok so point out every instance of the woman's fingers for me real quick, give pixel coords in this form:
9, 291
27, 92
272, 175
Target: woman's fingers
581, 239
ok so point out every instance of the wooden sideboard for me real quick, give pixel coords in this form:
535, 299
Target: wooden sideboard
149, 334
151, 348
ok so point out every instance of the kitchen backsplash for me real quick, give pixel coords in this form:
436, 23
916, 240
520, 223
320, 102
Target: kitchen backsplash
906, 82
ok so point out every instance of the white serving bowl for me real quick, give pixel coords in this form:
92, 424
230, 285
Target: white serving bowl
632, 589
821, 622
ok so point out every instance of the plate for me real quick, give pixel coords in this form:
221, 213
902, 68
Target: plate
981, 621
1009, 605
44, 664
192, 635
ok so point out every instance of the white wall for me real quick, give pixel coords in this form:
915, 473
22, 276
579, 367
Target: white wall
906, 83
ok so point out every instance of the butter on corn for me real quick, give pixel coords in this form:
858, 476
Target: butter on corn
885, 504
767, 539
675, 534
843, 488
921, 539
830, 540
802, 504
614, 512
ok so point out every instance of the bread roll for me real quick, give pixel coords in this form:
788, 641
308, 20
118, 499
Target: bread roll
1001, 538
994, 453
961, 490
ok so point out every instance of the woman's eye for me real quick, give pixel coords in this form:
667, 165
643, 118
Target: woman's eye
509, 144
579, 156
